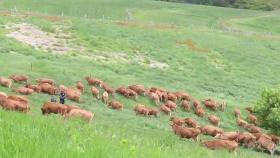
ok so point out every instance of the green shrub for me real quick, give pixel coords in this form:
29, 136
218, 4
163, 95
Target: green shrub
268, 109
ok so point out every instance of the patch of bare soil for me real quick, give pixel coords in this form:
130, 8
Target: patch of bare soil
34, 36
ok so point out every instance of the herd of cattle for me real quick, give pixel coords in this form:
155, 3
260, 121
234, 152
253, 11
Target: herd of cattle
166, 102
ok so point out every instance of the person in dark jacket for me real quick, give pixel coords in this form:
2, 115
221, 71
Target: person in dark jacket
62, 97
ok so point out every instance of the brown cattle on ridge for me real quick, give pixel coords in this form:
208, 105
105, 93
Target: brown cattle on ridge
95, 92
186, 105
227, 136
199, 112
184, 132
6, 82
191, 122
35, 88
116, 105
24, 91
84, 114
165, 109
45, 80
214, 120
80, 86
93, 81
211, 130
171, 105
231, 146
19, 78
252, 119
177, 121
247, 139
105, 97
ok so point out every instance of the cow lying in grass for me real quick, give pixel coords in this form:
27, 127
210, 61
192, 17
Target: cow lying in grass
19, 78
6, 82
14, 103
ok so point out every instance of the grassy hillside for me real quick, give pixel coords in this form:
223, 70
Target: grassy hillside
226, 54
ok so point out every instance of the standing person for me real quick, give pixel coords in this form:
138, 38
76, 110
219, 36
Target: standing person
53, 99
62, 97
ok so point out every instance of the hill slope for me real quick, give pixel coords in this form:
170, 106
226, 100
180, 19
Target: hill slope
226, 54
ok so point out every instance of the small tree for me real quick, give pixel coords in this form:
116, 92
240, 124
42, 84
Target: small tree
268, 109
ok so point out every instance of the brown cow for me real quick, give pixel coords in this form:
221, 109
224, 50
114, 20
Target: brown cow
21, 99
172, 97
253, 129
10, 104
95, 92
211, 104
211, 130
80, 86
24, 91
108, 89
48, 88
6, 82
19, 78
186, 105
171, 105
266, 143
199, 111
153, 96
252, 119
153, 112
241, 123
35, 88
165, 109
191, 122
56, 108
237, 113
183, 96
93, 81
141, 109
196, 103
231, 146
139, 89
105, 97
246, 138
84, 114
177, 121
214, 120
184, 132
73, 94
116, 105
275, 139
227, 136
45, 80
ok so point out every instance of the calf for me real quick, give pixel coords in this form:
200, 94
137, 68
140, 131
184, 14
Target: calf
191, 122
214, 120
24, 91
19, 78
80, 86
84, 114
95, 92
241, 123
211, 130
6, 82
188, 133
186, 105
116, 105
231, 146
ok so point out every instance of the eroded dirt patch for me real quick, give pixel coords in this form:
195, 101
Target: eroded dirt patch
34, 36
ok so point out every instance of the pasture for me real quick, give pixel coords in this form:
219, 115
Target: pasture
226, 54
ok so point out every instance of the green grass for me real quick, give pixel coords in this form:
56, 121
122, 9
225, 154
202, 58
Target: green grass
238, 64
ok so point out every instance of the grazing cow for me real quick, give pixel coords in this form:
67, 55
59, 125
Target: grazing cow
116, 105
227, 136
249, 109
211, 130
84, 114
141, 109
153, 96
177, 121
73, 94
10, 104
105, 97
211, 104
95, 92
171, 105
6, 82
35, 88
94, 82
191, 122
19, 78
237, 113
108, 89
196, 103
186, 105
252, 119
56, 108
253, 129
184, 132
45, 80
247, 139
241, 123
139, 89
231, 146
266, 143
199, 111
214, 120
24, 91
80, 86
165, 109
172, 97
48, 88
